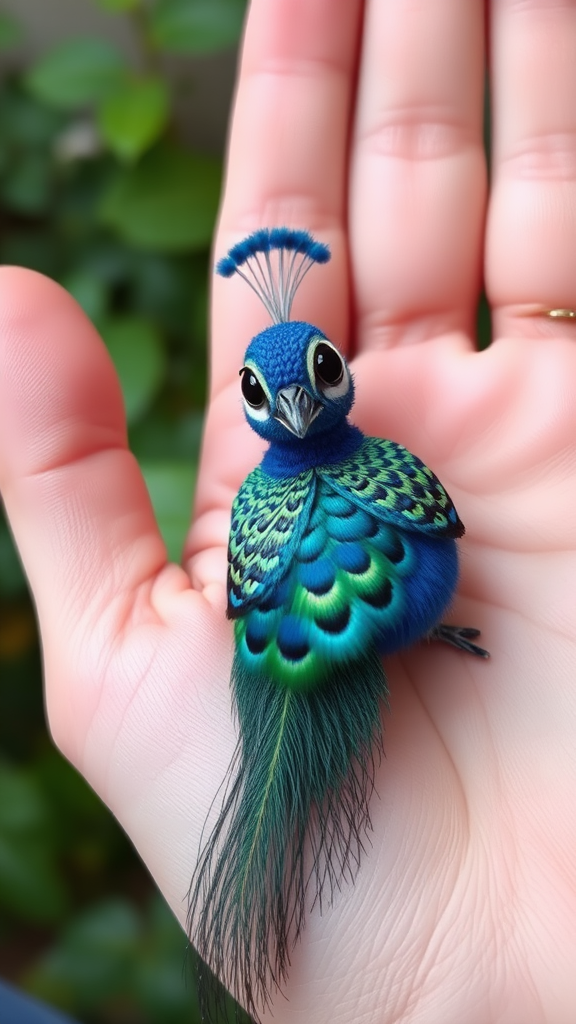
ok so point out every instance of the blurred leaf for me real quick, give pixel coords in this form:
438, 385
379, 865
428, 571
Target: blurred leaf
26, 122
50, 980
37, 248
171, 487
159, 980
106, 258
93, 958
111, 926
164, 930
67, 791
21, 707
77, 72
134, 117
196, 26
200, 310
27, 186
11, 31
164, 287
168, 202
77, 206
89, 291
139, 358
30, 884
161, 438
161, 990
118, 5
12, 579
23, 807
86, 838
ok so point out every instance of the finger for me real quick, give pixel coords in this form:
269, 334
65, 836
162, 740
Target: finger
531, 239
418, 174
287, 159
74, 494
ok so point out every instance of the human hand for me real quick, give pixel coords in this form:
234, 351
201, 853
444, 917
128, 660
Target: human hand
464, 906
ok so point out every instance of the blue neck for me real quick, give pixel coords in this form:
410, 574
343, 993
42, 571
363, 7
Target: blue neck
287, 458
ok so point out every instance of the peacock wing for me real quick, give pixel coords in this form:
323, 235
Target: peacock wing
269, 517
394, 485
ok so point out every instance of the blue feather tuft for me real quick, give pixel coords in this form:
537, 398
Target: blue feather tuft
258, 241
285, 238
275, 282
266, 239
319, 253
226, 267
301, 242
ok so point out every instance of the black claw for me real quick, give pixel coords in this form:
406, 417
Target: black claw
459, 637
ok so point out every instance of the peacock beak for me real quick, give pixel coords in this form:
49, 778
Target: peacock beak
296, 409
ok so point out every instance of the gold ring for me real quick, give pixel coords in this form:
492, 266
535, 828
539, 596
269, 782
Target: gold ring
560, 314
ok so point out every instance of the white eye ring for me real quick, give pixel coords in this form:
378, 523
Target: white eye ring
262, 414
328, 391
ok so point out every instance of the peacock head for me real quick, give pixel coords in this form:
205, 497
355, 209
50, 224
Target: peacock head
295, 382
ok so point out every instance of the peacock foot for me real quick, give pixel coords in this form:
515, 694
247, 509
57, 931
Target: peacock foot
459, 637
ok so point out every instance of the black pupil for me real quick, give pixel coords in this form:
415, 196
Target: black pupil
328, 366
252, 390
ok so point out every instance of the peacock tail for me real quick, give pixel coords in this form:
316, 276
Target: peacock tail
301, 755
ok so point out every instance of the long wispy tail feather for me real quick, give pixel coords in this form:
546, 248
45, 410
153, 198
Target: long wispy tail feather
292, 824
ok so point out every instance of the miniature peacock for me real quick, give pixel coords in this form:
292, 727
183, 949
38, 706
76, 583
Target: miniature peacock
342, 549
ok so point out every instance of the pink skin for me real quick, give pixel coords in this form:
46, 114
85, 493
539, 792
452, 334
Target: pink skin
465, 906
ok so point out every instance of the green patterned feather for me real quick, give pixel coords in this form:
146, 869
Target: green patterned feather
268, 518
396, 486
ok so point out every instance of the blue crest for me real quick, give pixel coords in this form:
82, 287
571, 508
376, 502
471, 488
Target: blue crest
274, 261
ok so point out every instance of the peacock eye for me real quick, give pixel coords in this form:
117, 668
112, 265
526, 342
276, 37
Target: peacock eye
328, 366
252, 389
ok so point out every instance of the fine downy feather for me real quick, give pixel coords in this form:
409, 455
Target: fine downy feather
300, 756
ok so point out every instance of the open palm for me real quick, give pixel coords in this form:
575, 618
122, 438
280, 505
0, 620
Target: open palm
464, 909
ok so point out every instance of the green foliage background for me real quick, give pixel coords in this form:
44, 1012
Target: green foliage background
98, 191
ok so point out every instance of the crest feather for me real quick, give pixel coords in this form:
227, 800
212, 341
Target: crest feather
274, 261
